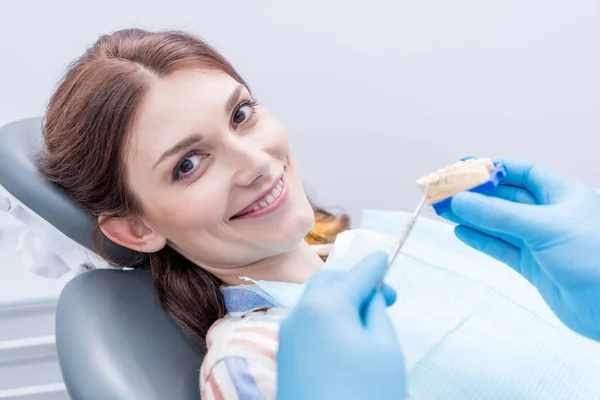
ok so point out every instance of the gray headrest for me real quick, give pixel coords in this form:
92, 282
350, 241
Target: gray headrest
20, 142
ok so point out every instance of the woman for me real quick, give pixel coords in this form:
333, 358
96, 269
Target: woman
159, 138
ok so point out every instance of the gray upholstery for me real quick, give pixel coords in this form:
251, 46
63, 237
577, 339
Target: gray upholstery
114, 341
20, 142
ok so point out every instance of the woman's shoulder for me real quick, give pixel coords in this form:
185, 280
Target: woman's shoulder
242, 347
259, 325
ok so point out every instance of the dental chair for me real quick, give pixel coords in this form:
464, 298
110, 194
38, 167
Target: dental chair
114, 341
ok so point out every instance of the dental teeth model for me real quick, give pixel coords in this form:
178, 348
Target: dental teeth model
458, 177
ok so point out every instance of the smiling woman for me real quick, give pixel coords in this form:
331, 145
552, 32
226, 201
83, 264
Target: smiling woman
159, 138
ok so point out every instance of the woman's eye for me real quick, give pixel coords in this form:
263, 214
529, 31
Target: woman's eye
186, 166
242, 114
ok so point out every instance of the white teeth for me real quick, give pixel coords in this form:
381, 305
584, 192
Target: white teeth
270, 198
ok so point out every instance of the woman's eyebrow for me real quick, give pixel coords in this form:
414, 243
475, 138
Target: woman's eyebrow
233, 99
180, 146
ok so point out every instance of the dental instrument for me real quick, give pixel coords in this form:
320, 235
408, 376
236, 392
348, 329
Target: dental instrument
407, 229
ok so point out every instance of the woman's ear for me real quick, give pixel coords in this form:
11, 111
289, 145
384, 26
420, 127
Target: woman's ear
133, 234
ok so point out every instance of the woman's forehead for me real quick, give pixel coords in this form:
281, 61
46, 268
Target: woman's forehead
185, 91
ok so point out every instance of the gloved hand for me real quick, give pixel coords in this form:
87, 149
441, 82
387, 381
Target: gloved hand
338, 342
546, 227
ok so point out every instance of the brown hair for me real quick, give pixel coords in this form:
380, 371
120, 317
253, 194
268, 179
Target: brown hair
85, 133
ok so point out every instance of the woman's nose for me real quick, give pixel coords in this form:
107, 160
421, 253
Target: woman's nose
251, 164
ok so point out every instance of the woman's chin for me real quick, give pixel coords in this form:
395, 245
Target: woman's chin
291, 237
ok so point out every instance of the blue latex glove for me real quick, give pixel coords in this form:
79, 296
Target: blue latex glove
546, 227
339, 342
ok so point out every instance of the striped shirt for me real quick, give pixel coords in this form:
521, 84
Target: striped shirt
240, 361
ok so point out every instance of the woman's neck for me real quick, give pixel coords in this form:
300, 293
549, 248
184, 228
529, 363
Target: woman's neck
295, 266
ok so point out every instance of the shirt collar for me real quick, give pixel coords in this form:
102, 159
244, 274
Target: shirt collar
244, 298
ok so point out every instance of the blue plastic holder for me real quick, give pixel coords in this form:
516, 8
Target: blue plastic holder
496, 176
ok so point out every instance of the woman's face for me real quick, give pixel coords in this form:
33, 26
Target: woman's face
214, 174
